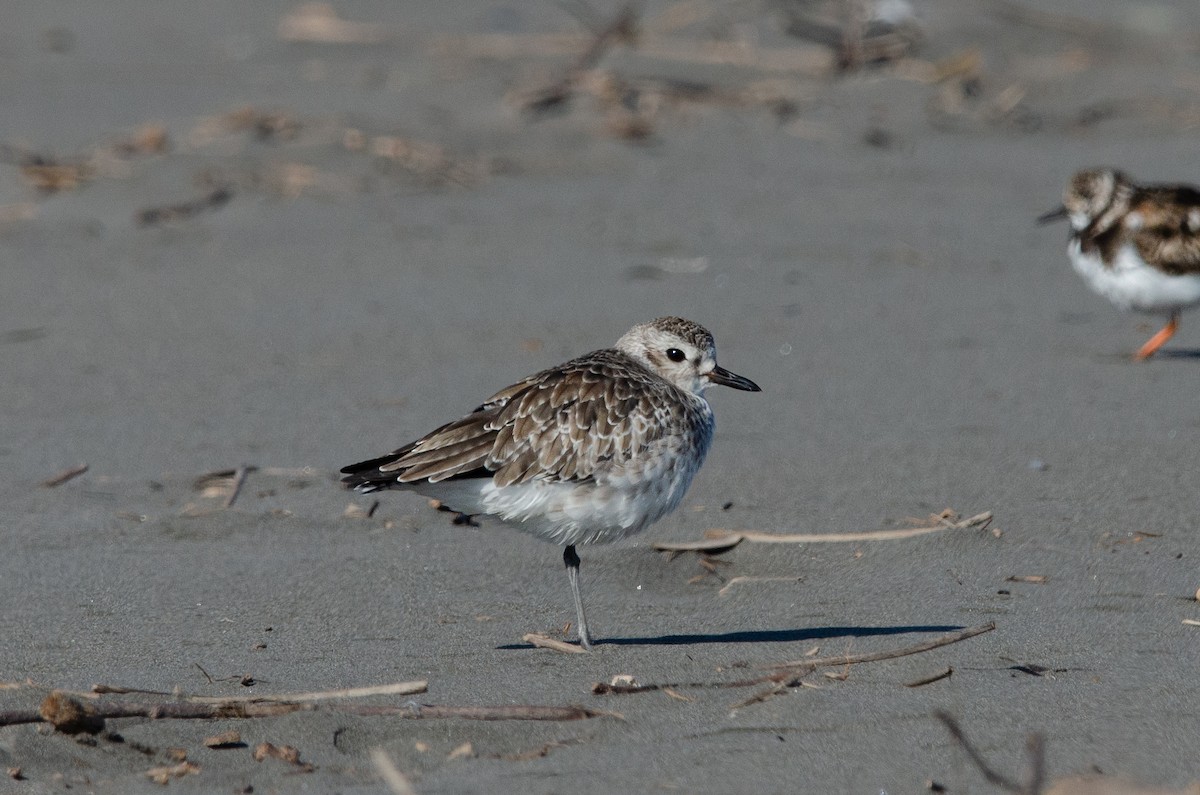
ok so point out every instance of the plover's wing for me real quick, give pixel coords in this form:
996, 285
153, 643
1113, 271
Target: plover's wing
1165, 225
563, 424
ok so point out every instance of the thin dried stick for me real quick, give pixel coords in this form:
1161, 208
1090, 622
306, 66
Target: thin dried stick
396, 689
502, 712
396, 781
1034, 746
620, 28
543, 642
71, 715
790, 674
64, 476
928, 680
853, 659
723, 538
239, 480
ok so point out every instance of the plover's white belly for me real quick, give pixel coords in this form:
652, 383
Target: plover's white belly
1132, 284
617, 503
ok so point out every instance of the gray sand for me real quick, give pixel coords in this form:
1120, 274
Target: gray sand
921, 345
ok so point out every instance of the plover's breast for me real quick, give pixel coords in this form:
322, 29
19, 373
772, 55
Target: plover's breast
619, 501
1131, 283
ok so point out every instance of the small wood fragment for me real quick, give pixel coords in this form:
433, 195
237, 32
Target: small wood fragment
464, 751
163, 775
396, 781
675, 694
318, 23
62, 477
229, 739
543, 642
214, 199
928, 680
239, 480
284, 753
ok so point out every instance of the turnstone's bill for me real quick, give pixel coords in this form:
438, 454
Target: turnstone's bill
1137, 245
593, 450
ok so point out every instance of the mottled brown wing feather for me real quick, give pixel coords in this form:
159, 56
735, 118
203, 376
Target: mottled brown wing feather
565, 423
1169, 234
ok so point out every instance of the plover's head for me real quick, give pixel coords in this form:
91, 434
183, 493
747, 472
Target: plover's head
682, 352
1089, 195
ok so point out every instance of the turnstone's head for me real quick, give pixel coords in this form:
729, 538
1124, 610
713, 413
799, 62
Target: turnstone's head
681, 352
1088, 195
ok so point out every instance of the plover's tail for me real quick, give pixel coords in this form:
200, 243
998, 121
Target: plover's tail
365, 477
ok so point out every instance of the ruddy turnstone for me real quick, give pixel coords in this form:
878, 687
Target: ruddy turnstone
1137, 245
592, 450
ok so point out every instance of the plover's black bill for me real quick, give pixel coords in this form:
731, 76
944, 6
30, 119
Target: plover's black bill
720, 375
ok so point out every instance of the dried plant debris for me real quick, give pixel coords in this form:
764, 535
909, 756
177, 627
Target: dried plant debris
859, 32
396, 781
86, 713
1035, 748
544, 642
718, 541
318, 23
621, 28
928, 680
225, 484
182, 211
50, 174
163, 775
284, 753
226, 739
791, 673
62, 477
262, 125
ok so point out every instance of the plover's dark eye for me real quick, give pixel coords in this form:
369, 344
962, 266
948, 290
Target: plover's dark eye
675, 355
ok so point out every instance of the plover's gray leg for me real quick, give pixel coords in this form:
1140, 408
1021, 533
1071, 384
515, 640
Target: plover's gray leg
572, 561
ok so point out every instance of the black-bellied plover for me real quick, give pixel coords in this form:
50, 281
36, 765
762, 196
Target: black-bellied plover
593, 450
1136, 245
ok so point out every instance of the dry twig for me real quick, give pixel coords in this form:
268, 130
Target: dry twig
71, 715
62, 477
790, 674
396, 781
622, 28
928, 680
543, 642
1034, 746
725, 539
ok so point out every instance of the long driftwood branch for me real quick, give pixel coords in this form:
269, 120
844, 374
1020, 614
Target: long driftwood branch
727, 539
789, 674
72, 715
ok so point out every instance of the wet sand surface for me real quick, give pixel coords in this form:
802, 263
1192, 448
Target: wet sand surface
400, 240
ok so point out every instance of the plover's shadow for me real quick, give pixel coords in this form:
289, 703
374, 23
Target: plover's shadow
762, 636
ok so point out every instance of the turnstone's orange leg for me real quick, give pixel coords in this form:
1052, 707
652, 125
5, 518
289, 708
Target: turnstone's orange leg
1159, 339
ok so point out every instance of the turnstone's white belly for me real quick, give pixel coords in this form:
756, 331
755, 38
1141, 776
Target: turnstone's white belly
1131, 284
